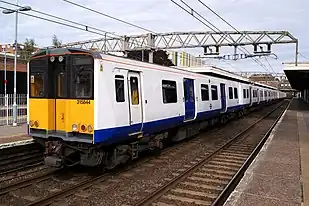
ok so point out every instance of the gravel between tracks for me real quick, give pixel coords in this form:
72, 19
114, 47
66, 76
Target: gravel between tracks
128, 187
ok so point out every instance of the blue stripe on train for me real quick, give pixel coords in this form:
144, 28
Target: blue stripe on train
113, 135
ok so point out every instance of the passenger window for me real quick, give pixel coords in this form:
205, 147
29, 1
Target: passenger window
134, 90
169, 91
205, 92
61, 85
244, 93
214, 92
248, 96
37, 85
235, 93
119, 88
230, 93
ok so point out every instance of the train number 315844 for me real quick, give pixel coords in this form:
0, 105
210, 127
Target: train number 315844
83, 101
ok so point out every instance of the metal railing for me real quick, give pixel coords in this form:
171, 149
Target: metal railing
6, 109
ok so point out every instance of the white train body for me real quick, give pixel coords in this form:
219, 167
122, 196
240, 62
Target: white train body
130, 104
120, 119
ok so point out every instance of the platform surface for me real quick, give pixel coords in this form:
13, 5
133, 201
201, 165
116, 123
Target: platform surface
9, 134
279, 175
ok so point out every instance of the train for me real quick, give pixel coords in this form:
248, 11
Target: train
96, 109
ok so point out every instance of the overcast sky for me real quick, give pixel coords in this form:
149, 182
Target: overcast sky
164, 16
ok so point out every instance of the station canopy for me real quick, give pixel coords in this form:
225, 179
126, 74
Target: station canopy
298, 76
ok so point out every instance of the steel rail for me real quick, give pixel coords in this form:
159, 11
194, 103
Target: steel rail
240, 173
148, 200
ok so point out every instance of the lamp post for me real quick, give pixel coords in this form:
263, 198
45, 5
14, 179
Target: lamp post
10, 11
5, 81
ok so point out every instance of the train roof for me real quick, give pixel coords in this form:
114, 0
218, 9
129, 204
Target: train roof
221, 73
208, 70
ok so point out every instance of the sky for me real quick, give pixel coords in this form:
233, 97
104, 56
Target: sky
164, 16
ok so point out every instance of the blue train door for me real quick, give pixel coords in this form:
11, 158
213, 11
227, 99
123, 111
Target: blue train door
189, 99
223, 97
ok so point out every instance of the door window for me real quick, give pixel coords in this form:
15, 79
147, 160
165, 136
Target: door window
214, 92
61, 85
37, 85
134, 90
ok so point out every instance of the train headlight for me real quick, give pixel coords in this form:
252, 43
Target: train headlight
90, 129
36, 123
31, 123
74, 127
52, 58
60, 58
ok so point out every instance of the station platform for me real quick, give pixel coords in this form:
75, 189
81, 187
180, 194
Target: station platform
279, 175
12, 135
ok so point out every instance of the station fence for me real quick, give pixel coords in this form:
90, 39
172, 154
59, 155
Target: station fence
6, 109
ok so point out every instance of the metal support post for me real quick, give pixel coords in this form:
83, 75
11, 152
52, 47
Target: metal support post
296, 54
6, 104
15, 68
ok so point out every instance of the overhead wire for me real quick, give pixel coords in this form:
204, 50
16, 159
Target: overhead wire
117, 19
229, 24
58, 22
66, 20
192, 14
303, 55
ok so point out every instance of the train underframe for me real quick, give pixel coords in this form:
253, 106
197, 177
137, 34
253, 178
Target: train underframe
59, 153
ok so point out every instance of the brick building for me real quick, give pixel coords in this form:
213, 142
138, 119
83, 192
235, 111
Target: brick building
21, 76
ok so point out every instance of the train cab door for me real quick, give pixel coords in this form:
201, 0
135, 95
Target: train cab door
223, 97
189, 99
60, 88
134, 85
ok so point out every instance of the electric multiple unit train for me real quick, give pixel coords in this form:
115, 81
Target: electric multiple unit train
94, 109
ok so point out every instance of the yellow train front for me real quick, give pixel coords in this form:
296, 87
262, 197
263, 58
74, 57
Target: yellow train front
61, 102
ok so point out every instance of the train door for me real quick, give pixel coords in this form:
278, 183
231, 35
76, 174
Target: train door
258, 95
189, 98
60, 88
134, 85
223, 97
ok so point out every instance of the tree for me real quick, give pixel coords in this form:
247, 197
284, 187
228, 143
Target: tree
56, 41
29, 47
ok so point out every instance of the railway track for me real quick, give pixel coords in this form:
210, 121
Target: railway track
210, 179
50, 187
19, 158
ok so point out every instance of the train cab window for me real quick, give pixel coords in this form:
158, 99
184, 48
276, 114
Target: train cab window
205, 92
82, 77
214, 92
37, 85
134, 90
235, 93
244, 93
230, 93
119, 88
83, 83
169, 91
